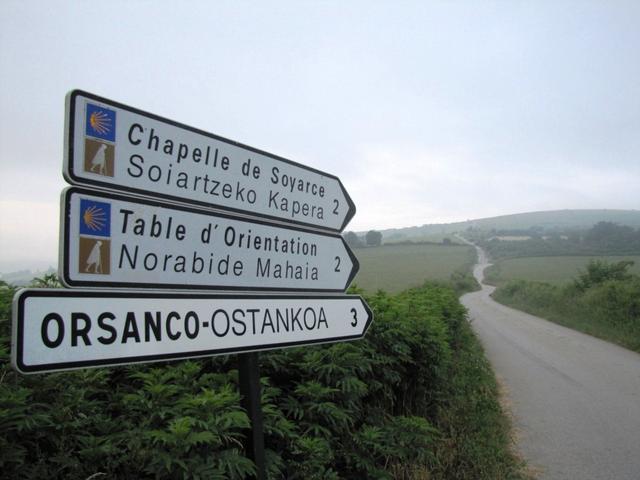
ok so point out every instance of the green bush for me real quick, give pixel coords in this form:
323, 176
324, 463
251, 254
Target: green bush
463, 282
614, 301
598, 272
604, 301
407, 401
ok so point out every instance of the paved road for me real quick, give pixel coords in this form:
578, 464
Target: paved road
575, 399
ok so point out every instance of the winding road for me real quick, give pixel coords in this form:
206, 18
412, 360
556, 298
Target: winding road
575, 399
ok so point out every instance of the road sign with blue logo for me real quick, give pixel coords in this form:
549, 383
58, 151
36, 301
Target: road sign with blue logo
117, 147
122, 242
111, 240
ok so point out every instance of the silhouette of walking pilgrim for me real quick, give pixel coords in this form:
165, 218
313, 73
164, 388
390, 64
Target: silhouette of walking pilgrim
99, 160
95, 259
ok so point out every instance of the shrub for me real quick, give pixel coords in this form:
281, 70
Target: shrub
604, 301
375, 408
598, 272
614, 301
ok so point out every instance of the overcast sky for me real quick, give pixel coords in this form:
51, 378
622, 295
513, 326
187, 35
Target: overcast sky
429, 112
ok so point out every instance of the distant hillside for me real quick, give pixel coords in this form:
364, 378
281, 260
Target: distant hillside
549, 221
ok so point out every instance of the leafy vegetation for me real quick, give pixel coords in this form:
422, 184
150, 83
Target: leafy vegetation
353, 240
603, 300
394, 268
414, 400
373, 238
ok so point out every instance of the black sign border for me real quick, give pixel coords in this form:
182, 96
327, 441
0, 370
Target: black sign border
21, 296
72, 178
65, 226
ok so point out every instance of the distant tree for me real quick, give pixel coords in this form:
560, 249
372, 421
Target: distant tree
574, 237
373, 238
601, 231
353, 240
610, 235
536, 232
446, 241
49, 280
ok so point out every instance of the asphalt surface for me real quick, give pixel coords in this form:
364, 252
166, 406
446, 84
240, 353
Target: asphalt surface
575, 400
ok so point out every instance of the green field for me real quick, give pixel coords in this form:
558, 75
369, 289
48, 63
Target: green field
553, 270
398, 267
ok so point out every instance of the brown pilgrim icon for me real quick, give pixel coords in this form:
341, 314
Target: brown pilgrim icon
95, 256
99, 157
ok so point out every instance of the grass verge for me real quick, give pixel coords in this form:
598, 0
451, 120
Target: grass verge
478, 442
610, 310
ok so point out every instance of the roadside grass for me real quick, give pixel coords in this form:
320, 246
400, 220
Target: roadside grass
479, 443
394, 268
553, 270
609, 311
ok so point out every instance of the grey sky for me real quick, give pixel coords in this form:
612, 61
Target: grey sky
428, 111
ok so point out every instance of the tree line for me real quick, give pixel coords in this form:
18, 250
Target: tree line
372, 238
604, 238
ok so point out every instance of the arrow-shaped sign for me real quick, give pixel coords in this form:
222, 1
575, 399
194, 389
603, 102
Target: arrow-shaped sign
109, 240
114, 146
64, 329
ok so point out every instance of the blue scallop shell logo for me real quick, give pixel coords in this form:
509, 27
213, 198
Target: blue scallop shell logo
101, 122
95, 218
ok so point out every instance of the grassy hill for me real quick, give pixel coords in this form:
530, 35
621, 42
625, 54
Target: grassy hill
549, 220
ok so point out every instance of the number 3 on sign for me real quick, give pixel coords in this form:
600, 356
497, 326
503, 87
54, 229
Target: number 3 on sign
355, 317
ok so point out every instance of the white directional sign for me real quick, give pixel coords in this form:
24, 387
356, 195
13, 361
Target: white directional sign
113, 241
114, 146
64, 329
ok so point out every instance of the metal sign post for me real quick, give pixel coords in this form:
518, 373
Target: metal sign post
249, 379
